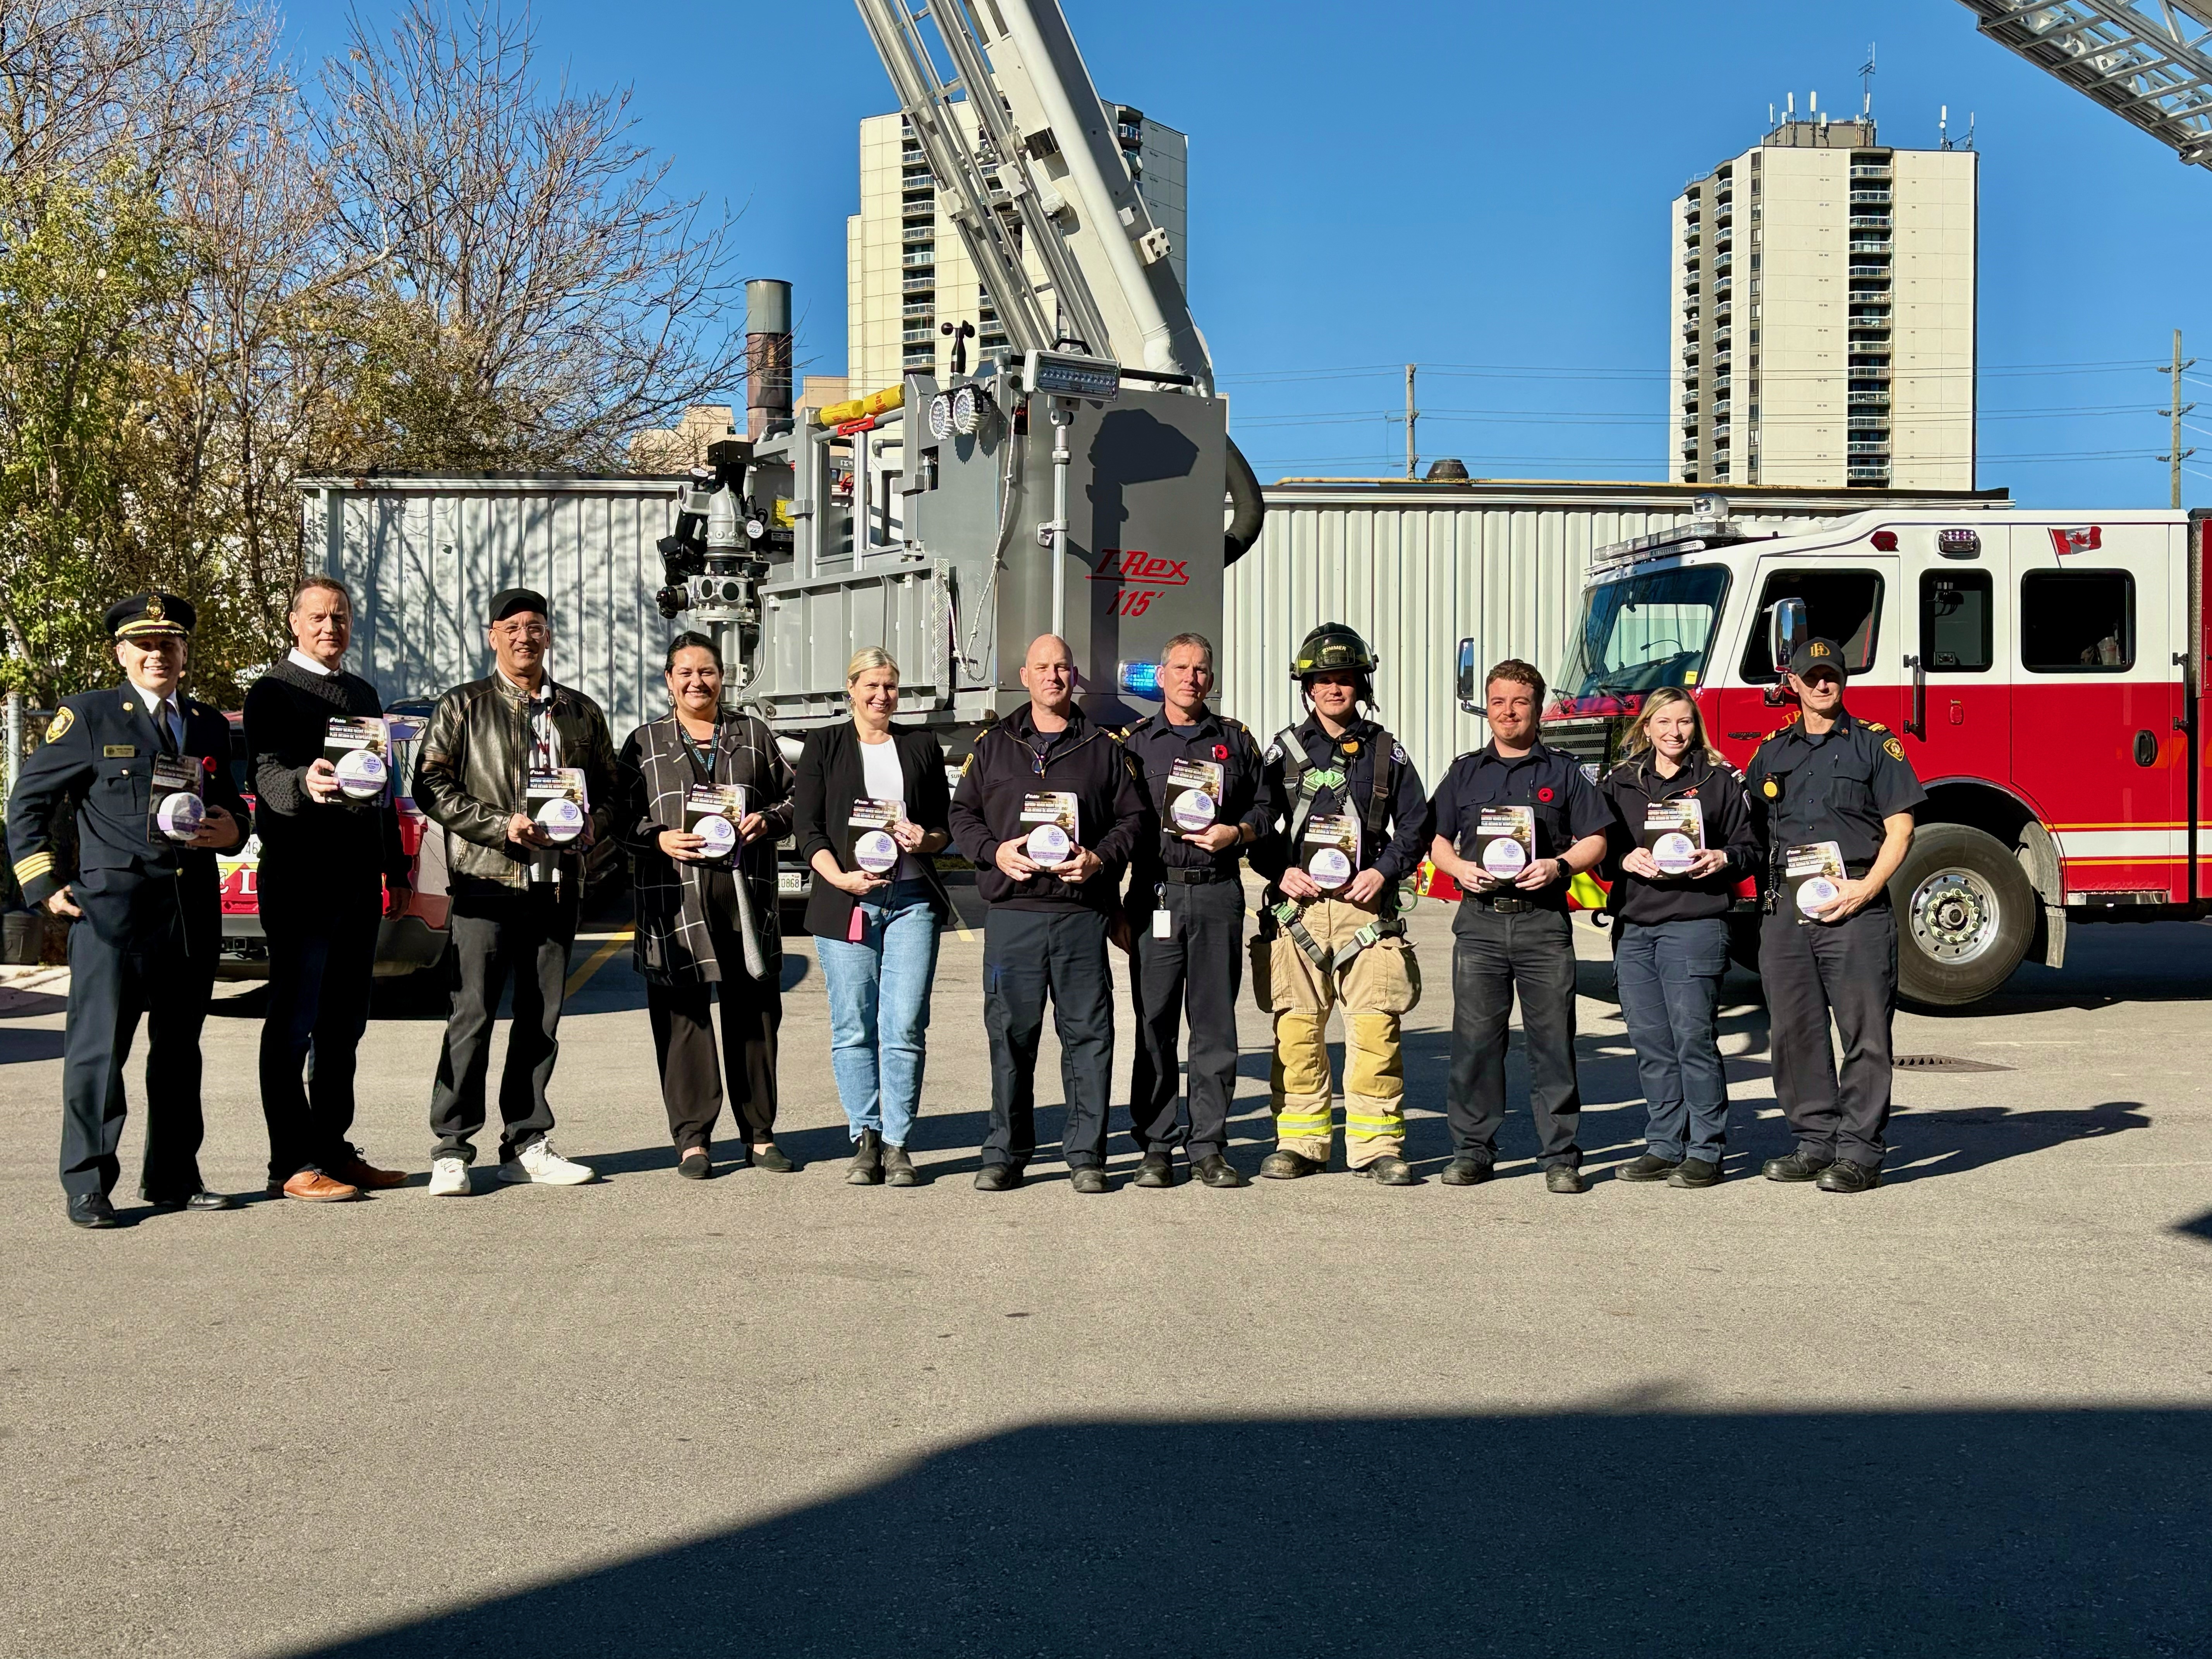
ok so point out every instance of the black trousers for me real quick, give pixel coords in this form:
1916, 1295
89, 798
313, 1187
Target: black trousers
521, 934
1494, 955
110, 988
1027, 956
1196, 971
1847, 970
322, 961
683, 1045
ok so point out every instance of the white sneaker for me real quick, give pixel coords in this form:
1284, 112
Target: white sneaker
449, 1178
538, 1163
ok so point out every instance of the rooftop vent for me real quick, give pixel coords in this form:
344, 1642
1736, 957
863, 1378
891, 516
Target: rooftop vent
1447, 471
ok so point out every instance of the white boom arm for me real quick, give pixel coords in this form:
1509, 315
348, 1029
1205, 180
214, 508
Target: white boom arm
2147, 61
1050, 162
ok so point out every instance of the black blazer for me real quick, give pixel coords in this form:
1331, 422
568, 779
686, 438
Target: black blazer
830, 781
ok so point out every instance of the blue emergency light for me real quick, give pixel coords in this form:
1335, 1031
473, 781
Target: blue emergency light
1139, 679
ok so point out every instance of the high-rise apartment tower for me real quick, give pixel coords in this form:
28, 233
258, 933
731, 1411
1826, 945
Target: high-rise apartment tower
907, 273
1823, 314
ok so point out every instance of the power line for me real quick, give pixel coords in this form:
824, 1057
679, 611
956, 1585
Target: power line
1584, 372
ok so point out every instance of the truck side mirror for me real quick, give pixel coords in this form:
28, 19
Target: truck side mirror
1786, 629
1467, 677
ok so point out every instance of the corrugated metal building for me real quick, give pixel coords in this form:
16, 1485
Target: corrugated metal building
423, 556
1417, 566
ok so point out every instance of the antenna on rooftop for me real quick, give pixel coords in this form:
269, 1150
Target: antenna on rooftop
1866, 81
1944, 126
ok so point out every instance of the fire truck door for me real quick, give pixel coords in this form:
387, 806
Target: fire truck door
1957, 715
1855, 603
2097, 745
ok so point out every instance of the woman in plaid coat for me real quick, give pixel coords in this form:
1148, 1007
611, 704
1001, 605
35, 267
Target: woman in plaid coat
704, 922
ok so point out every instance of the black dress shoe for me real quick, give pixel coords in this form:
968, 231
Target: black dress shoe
1467, 1170
1390, 1171
1289, 1166
92, 1209
1795, 1167
203, 1200
771, 1158
696, 1165
1158, 1169
1845, 1176
998, 1177
1090, 1179
1564, 1178
1695, 1172
1646, 1168
1215, 1170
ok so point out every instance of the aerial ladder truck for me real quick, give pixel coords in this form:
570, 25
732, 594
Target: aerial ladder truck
1080, 480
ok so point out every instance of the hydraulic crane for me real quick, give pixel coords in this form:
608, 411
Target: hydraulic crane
2147, 61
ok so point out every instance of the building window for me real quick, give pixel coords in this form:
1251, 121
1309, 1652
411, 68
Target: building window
2077, 622
1840, 604
1956, 634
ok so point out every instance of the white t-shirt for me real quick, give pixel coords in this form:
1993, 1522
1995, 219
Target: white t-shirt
880, 772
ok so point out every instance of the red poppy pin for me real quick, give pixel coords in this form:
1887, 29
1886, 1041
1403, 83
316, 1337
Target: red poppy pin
208, 760
1544, 794
1221, 751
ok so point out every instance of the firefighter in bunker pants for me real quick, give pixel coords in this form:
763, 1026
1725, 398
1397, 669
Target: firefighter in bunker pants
1356, 819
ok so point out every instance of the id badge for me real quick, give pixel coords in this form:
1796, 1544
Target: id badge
1162, 923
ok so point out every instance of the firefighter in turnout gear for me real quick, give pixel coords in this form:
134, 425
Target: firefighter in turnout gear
1355, 821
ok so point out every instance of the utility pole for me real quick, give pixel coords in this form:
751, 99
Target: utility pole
1413, 415
2176, 454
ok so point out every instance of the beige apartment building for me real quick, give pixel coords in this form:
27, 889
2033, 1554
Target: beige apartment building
907, 273
1823, 324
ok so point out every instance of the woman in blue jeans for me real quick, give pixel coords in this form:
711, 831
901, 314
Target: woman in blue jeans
869, 811
1670, 902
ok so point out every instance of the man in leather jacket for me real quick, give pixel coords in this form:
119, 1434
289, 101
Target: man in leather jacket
514, 891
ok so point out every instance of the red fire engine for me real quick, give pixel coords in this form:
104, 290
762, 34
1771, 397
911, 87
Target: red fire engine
2041, 668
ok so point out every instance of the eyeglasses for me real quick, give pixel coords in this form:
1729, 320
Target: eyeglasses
523, 630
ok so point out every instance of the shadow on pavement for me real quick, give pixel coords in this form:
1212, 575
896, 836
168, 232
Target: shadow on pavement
17, 1047
2200, 1228
1972, 1535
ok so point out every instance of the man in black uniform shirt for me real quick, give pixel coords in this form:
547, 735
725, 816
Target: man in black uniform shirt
147, 903
1186, 911
1511, 932
1828, 777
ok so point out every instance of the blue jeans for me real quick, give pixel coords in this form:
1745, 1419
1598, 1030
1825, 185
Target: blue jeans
879, 1008
1669, 978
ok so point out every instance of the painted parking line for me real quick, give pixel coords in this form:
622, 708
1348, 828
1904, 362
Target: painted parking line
597, 960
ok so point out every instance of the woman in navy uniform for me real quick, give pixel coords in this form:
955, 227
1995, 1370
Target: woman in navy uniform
1828, 777
148, 917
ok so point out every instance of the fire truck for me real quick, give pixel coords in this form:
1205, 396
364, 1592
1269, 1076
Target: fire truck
2042, 670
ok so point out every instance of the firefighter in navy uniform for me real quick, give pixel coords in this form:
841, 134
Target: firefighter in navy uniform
1186, 910
1320, 947
1828, 777
148, 916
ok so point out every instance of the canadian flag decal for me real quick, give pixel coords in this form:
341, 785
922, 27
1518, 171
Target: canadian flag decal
2085, 538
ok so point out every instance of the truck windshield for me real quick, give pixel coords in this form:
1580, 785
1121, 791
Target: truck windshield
1643, 632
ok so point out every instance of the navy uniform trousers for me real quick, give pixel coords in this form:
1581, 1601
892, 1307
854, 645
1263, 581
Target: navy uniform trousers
1197, 971
112, 987
1848, 968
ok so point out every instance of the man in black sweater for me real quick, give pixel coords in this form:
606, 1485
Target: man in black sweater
1049, 810
326, 862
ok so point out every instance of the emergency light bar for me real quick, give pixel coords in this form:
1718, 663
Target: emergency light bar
1138, 680
1065, 374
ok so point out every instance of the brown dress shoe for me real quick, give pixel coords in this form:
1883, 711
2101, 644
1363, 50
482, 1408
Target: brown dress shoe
357, 1170
318, 1188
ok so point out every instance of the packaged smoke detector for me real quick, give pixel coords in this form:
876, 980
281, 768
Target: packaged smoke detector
1812, 877
556, 798
1055, 833
359, 749
1674, 833
875, 849
1332, 844
1505, 841
713, 813
1194, 794
176, 810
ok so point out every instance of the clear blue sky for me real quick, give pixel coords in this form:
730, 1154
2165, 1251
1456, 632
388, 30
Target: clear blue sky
1417, 182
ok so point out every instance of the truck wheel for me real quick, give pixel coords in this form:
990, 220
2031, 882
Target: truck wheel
1965, 915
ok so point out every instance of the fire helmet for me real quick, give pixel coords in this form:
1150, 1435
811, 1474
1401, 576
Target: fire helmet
1333, 648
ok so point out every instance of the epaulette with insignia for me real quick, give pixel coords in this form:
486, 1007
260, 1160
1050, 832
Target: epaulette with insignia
1874, 725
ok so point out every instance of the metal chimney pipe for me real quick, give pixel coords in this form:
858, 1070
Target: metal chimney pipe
768, 354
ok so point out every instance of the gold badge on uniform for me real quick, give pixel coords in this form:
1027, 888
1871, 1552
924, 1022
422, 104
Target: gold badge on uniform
62, 721
119, 751
154, 612
1893, 749
1771, 789
1350, 745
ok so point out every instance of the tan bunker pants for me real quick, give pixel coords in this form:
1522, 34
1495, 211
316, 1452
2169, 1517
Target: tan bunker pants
1383, 983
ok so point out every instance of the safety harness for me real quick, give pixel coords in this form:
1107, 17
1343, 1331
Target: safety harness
1305, 782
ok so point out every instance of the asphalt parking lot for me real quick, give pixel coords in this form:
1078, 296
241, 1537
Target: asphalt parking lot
1967, 1413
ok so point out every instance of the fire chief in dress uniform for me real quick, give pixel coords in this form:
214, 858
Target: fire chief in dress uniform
149, 918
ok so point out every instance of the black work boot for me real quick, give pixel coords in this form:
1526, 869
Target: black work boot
899, 1168
867, 1169
1287, 1165
1646, 1168
1157, 1169
1795, 1167
1215, 1170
